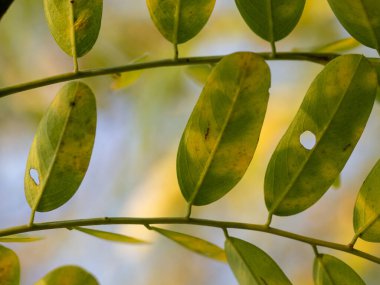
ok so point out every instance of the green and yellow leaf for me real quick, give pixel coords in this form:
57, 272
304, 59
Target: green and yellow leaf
109, 236
69, 274
19, 238
9, 267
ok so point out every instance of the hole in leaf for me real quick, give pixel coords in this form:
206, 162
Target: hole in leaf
308, 140
34, 175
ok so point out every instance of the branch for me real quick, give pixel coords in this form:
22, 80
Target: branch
187, 221
321, 58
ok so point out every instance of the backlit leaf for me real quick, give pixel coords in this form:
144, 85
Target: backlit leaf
61, 149
109, 236
338, 46
199, 73
195, 244
361, 18
329, 270
334, 112
223, 130
251, 265
9, 267
180, 20
272, 20
69, 274
19, 238
367, 211
81, 16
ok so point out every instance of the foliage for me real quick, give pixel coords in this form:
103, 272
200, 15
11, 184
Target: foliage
221, 135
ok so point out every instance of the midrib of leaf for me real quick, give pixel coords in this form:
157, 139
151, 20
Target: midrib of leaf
367, 225
218, 140
45, 181
176, 21
271, 26
369, 23
310, 153
72, 36
324, 268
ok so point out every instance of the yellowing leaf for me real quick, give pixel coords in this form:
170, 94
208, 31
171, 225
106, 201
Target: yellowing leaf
180, 20
109, 236
9, 267
251, 265
69, 274
61, 149
367, 211
223, 130
19, 238
199, 73
329, 270
338, 46
80, 17
334, 111
195, 244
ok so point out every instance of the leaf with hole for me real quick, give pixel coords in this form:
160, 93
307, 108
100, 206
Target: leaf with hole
329, 270
180, 20
69, 274
223, 130
61, 149
335, 110
367, 211
74, 19
271, 20
251, 265
109, 236
9, 267
19, 238
361, 18
195, 244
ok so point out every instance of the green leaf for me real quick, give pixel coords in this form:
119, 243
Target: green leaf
69, 274
109, 236
4, 6
338, 46
195, 244
9, 267
61, 149
199, 73
361, 18
329, 270
19, 238
271, 20
334, 111
180, 20
79, 17
367, 211
251, 265
223, 130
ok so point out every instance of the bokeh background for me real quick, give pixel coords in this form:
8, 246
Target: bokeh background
132, 171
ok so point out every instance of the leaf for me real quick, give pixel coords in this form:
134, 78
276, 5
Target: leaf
195, 244
19, 238
180, 20
4, 6
81, 17
329, 270
109, 236
9, 267
61, 149
361, 18
199, 73
271, 20
367, 211
223, 130
334, 111
69, 274
251, 265
338, 46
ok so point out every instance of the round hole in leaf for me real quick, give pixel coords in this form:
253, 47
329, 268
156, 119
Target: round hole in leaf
34, 175
308, 140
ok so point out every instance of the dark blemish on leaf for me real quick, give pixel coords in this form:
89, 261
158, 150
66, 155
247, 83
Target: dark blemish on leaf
346, 147
72, 103
207, 133
72, 1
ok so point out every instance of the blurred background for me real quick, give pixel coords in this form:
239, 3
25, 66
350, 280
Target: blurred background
132, 171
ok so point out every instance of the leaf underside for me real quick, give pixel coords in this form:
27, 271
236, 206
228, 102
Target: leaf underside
69, 274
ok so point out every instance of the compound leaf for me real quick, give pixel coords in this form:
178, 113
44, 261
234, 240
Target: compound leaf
9, 267
251, 265
329, 270
361, 18
69, 274
109, 236
367, 211
223, 130
81, 18
180, 20
334, 112
271, 20
195, 244
61, 149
